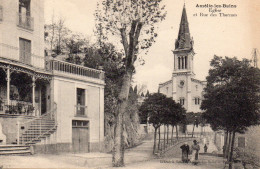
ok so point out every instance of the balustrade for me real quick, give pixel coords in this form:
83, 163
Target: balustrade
81, 110
25, 21
17, 108
66, 67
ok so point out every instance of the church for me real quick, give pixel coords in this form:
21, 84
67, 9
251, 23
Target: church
183, 87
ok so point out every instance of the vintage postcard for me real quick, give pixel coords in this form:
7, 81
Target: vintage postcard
129, 84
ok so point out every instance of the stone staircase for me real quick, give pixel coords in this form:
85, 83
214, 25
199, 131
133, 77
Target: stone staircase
37, 130
15, 150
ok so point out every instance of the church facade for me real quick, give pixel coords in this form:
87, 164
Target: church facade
183, 87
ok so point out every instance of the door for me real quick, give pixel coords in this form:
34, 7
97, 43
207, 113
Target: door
80, 139
43, 100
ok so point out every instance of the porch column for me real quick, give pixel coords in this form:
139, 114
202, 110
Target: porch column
33, 92
8, 79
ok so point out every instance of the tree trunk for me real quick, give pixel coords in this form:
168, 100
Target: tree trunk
159, 141
228, 146
118, 149
172, 134
225, 145
231, 151
130, 57
167, 133
164, 138
176, 131
193, 130
154, 143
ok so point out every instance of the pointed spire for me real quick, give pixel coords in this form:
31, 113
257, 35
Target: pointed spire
184, 41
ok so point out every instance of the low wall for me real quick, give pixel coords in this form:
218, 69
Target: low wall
10, 128
64, 148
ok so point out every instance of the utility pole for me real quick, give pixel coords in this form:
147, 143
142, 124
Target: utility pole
255, 53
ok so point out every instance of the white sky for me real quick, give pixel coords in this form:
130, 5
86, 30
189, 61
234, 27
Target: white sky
220, 36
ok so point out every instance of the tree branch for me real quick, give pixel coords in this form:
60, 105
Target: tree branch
124, 39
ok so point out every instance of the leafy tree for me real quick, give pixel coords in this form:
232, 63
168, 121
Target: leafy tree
133, 22
154, 109
55, 36
160, 110
231, 99
174, 115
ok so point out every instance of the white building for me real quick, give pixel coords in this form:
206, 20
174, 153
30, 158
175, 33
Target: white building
54, 105
183, 87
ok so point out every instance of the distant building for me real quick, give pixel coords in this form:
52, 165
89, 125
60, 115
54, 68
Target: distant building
51, 104
183, 87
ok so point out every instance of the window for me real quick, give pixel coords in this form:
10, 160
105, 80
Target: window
197, 100
179, 63
182, 101
25, 50
81, 108
185, 62
79, 123
24, 7
241, 142
24, 16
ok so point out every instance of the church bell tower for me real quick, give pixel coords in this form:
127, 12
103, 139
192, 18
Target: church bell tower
183, 52
183, 63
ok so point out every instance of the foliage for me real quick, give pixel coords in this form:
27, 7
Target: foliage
60, 40
128, 17
247, 157
175, 112
232, 97
133, 21
153, 108
160, 110
231, 100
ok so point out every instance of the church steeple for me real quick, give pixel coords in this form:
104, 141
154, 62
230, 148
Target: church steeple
183, 52
184, 41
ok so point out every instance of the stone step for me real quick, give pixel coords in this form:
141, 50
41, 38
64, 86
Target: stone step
21, 152
14, 150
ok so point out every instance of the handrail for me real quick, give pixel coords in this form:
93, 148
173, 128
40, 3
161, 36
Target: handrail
36, 138
52, 116
73, 64
40, 117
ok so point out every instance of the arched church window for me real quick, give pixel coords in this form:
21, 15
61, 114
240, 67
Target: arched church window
182, 59
185, 62
197, 101
179, 63
182, 101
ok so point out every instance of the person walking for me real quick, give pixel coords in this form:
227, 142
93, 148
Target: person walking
205, 148
195, 152
185, 148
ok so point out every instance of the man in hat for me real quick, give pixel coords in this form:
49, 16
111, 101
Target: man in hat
195, 152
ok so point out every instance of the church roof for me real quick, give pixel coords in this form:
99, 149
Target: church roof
184, 41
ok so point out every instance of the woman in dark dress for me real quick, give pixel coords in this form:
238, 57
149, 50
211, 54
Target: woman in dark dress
185, 148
